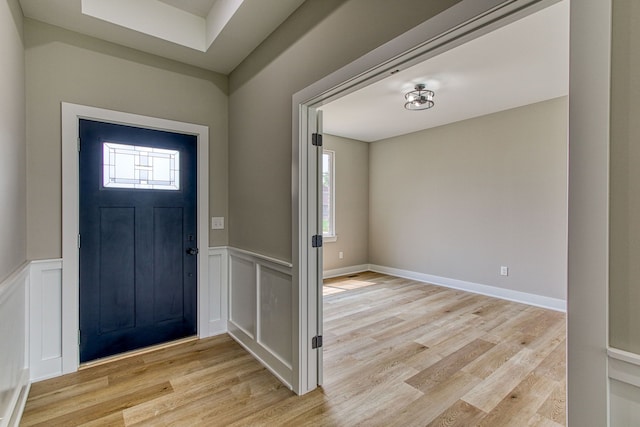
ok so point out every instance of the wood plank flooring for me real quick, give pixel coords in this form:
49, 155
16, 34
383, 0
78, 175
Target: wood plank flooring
396, 353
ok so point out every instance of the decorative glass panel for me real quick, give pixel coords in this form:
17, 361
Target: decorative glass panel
132, 166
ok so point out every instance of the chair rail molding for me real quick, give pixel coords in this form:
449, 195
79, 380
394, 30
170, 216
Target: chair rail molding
624, 385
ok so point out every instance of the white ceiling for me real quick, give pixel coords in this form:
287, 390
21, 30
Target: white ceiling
212, 34
522, 63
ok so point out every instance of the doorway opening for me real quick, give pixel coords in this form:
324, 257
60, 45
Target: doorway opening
429, 205
306, 157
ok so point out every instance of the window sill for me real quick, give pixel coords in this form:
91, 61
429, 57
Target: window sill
329, 239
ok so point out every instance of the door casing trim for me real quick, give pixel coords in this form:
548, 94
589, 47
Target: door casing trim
71, 114
458, 24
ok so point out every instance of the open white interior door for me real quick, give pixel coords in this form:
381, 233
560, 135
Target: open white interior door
312, 249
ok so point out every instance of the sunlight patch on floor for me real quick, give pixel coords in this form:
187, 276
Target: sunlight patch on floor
346, 285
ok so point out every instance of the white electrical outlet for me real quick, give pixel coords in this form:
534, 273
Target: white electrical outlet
341, 255
217, 223
504, 271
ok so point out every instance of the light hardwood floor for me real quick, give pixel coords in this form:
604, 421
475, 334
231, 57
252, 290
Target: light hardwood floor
397, 353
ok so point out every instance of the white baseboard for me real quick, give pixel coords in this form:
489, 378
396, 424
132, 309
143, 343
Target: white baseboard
246, 342
344, 271
476, 288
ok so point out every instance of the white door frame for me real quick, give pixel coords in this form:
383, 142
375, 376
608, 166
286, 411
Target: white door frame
588, 178
464, 21
71, 115
588, 256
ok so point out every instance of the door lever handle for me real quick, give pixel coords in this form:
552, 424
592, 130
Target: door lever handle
192, 251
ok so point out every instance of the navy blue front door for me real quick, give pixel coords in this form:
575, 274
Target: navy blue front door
138, 269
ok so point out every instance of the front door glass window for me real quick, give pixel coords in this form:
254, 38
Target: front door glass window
133, 166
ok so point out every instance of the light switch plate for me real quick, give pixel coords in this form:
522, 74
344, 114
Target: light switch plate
217, 223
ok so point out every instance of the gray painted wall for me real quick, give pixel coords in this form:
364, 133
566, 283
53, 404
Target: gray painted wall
65, 66
461, 200
317, 39
624, 255
12, 140
352, 203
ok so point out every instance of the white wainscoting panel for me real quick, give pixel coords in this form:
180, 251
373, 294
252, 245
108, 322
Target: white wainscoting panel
242, 295
218, 290
260, 309
274, 312
624, 388
14, 371
45, 319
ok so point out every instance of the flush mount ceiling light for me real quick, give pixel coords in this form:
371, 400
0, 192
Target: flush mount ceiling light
419, 99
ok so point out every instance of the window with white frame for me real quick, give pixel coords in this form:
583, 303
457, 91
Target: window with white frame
328, 194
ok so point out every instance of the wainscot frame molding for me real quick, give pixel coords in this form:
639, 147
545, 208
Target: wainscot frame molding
260, 289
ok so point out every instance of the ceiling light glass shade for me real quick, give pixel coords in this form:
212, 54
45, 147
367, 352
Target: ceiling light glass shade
419, 99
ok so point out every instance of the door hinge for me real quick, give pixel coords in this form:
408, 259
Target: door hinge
79, 340
79, 241
316, 241
79, 144
316, 342
316, 139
